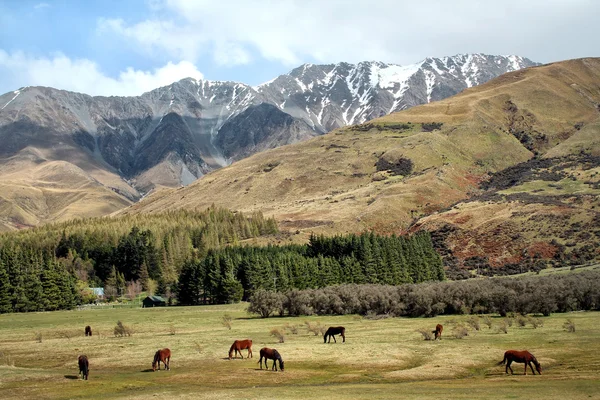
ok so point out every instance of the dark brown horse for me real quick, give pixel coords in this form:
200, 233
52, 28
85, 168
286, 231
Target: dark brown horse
438, 331
84, 366
524, 357
240, 345
163, 355
88, 331
334, 330
270, 354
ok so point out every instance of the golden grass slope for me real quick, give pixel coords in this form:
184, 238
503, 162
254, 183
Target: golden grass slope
35, 190
330, 184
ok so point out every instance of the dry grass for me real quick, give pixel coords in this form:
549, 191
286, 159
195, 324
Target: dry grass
379, 359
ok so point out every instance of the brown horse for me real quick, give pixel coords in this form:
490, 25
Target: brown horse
334, 330
88, 331
270, 354
438, 331
84, 366
524, 357
163, 355
240, 345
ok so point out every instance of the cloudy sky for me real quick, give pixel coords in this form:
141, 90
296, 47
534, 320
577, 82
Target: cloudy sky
127, 47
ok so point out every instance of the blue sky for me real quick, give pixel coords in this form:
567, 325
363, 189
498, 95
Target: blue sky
128, 47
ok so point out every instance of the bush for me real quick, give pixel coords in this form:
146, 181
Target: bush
460, 332
293, 329
38, 337
427, 334
521, 321
172, 329
122, 330
535, 322
279, 334
474, 322
503, 326
316, 328
265, 303
488, 321
569, 326
226, 321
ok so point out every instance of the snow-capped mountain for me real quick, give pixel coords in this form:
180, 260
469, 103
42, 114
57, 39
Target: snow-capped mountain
175, 134
335, 95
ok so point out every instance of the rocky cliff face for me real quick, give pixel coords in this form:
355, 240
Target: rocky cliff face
175, 134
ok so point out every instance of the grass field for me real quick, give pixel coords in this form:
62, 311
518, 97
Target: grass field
385, 358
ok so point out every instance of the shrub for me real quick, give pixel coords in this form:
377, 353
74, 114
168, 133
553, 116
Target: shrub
535, 322
293, 329
474, 322
431, 126
460, 332
427, 334
488, 321
122, 330
38, 337
503, 326
509, 321
279, 334
521, 321
67, 334
226, 321
316, 328
265, 303
172, 330
569, 326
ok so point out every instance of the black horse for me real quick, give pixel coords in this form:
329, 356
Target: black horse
334, 330
84, 366
270, 354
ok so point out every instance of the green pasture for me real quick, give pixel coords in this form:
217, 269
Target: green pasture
381, 359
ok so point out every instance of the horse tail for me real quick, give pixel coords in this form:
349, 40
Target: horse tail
503, 361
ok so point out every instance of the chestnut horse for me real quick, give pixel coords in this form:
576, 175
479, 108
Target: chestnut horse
88, 331
163, 355
524, 357
438, 331
270, 354
334, 330
240, 345
84, 366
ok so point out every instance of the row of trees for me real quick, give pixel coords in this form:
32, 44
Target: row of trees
524, 295
232, 273
121, 254
34, 281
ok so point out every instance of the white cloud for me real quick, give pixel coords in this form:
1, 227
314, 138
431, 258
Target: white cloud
236, 31
39, 6
85, 76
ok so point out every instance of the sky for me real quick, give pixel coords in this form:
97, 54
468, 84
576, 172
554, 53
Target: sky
128, 47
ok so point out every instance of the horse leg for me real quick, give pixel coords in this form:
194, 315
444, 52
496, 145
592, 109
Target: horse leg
168, 363
260, 361
334, 341
525, 367
508, 367
531, 366
241, 355
344, 338
249, 352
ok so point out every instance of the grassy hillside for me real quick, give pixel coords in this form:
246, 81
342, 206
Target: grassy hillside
389, 173
379, 359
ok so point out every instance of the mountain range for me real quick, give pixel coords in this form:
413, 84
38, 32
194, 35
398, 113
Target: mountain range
66, 154
505, 174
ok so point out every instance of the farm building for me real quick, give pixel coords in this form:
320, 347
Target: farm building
154, 301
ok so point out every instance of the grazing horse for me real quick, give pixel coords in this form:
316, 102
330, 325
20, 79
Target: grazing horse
438, 331
163, 355
524, 357
270, 354
240, 345
84, 366
334, 330
88, 331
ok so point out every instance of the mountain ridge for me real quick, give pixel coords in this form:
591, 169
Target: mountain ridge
170, 136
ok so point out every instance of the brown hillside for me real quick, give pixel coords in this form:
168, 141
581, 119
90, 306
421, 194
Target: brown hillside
344, 181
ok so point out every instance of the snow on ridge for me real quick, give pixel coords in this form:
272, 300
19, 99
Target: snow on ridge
17, 93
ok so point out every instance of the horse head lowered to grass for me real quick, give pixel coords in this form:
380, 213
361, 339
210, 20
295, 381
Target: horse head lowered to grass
524, 357
270, 354
164, 356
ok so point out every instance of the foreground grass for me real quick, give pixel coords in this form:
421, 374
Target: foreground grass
381, 358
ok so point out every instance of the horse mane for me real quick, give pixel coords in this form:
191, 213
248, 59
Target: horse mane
156, 357
232, 347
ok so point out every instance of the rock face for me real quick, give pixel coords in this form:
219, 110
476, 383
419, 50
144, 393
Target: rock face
175, 134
